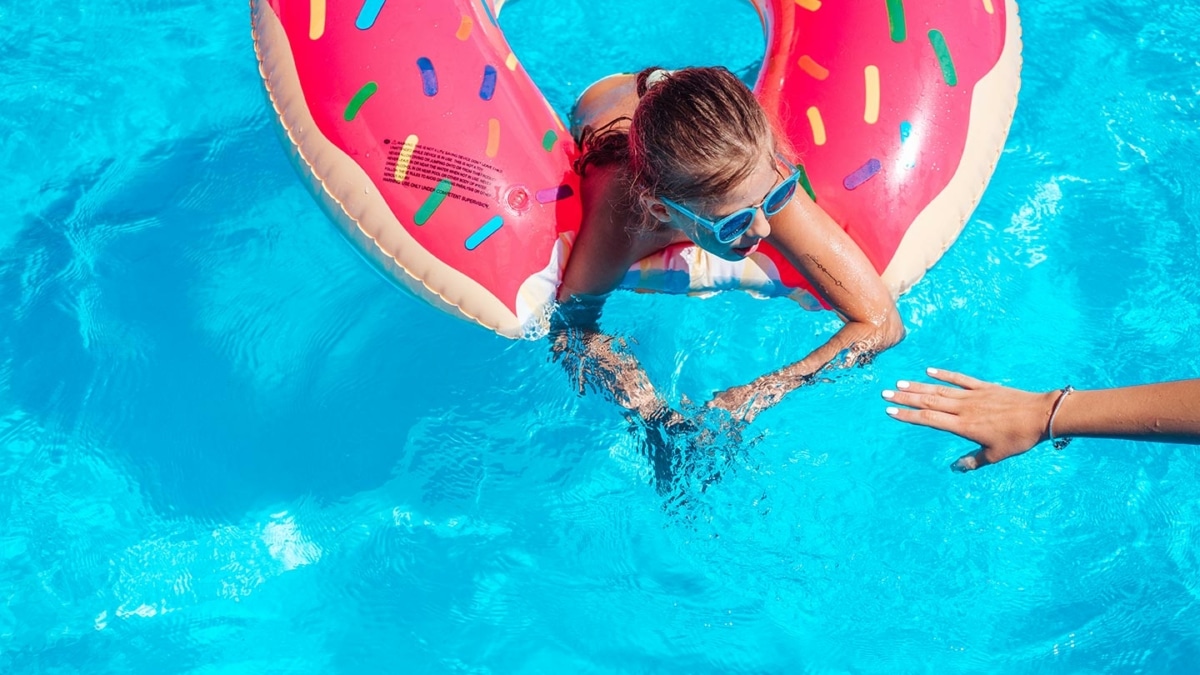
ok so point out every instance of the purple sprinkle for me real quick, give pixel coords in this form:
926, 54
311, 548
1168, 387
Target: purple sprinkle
554, 194
862, 174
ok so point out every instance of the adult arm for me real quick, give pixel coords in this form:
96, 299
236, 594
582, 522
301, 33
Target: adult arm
1006, 422
841, 273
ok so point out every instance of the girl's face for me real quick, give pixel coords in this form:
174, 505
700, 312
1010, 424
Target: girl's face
750, 192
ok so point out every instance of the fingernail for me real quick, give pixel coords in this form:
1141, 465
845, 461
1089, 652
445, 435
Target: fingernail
902, 384
932, 371
891, 410
888, 393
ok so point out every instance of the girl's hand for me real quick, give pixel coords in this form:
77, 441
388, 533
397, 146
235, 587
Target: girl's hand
1004, 422
744, 403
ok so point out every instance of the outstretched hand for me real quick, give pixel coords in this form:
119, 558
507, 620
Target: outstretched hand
1005, 422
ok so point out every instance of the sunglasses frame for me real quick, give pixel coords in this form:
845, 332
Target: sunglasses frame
716, 225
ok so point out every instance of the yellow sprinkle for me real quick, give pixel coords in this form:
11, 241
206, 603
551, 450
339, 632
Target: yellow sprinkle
406, 153
818, 126
987, 4
813, 68
493, 142
316, 19
810, 5
871, 114
464, 28
511, 61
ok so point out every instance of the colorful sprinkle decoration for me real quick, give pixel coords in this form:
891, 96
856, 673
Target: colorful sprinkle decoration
817, 124
554, 194
368, 90
406, 153
862, 174
464, 28
871, 112
896, 24
943, 56
493, 139
486, 230
316, 19
816, 70
367, 15
488, 88
548, 140
432, 202
428, 76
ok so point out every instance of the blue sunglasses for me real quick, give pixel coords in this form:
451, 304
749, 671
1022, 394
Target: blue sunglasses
735, 224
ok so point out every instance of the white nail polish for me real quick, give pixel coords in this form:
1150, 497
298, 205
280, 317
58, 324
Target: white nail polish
932, 371
902, 384
891, 410
888, 394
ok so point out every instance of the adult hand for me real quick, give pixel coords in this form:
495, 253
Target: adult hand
1004, 422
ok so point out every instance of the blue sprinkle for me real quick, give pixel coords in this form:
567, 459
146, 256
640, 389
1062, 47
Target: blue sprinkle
367, 15
488, 229
905, 131
489, 83
428, 76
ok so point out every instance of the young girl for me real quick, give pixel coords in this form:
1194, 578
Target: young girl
690, 155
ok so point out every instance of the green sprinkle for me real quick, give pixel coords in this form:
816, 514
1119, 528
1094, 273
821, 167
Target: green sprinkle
548, 140
368, 90
943, 56
895, 10
432, 202
805, 184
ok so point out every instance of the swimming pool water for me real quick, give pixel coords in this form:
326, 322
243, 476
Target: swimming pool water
227, 446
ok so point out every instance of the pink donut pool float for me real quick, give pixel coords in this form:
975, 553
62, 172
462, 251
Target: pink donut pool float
438, 157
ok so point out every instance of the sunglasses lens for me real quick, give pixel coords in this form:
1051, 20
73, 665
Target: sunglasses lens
734, 226
780, 197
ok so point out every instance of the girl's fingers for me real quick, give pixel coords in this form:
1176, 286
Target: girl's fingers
964, 381
927, 418
924, 401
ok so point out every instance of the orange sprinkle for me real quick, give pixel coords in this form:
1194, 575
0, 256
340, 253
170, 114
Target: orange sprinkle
511, 61
813, 68
493, 142
810, 5
464, 28
987, 5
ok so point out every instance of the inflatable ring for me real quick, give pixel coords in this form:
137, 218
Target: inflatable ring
437, 155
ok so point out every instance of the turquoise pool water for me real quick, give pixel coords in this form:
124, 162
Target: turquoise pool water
227, 446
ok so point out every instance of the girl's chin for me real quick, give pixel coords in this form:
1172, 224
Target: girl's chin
744, 252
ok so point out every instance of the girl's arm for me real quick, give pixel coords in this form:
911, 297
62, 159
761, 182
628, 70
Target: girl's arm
841, 273
599, 362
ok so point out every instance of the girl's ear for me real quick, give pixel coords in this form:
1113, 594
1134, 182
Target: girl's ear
656, 208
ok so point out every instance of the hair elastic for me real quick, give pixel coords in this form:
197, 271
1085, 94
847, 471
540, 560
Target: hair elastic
1058, 443
655, 77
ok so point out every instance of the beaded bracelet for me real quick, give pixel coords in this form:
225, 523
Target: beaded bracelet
1058, 443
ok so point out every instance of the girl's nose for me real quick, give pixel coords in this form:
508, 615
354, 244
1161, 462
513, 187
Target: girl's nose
760, 228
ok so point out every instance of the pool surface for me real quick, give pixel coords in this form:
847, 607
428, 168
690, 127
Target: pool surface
228, 446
